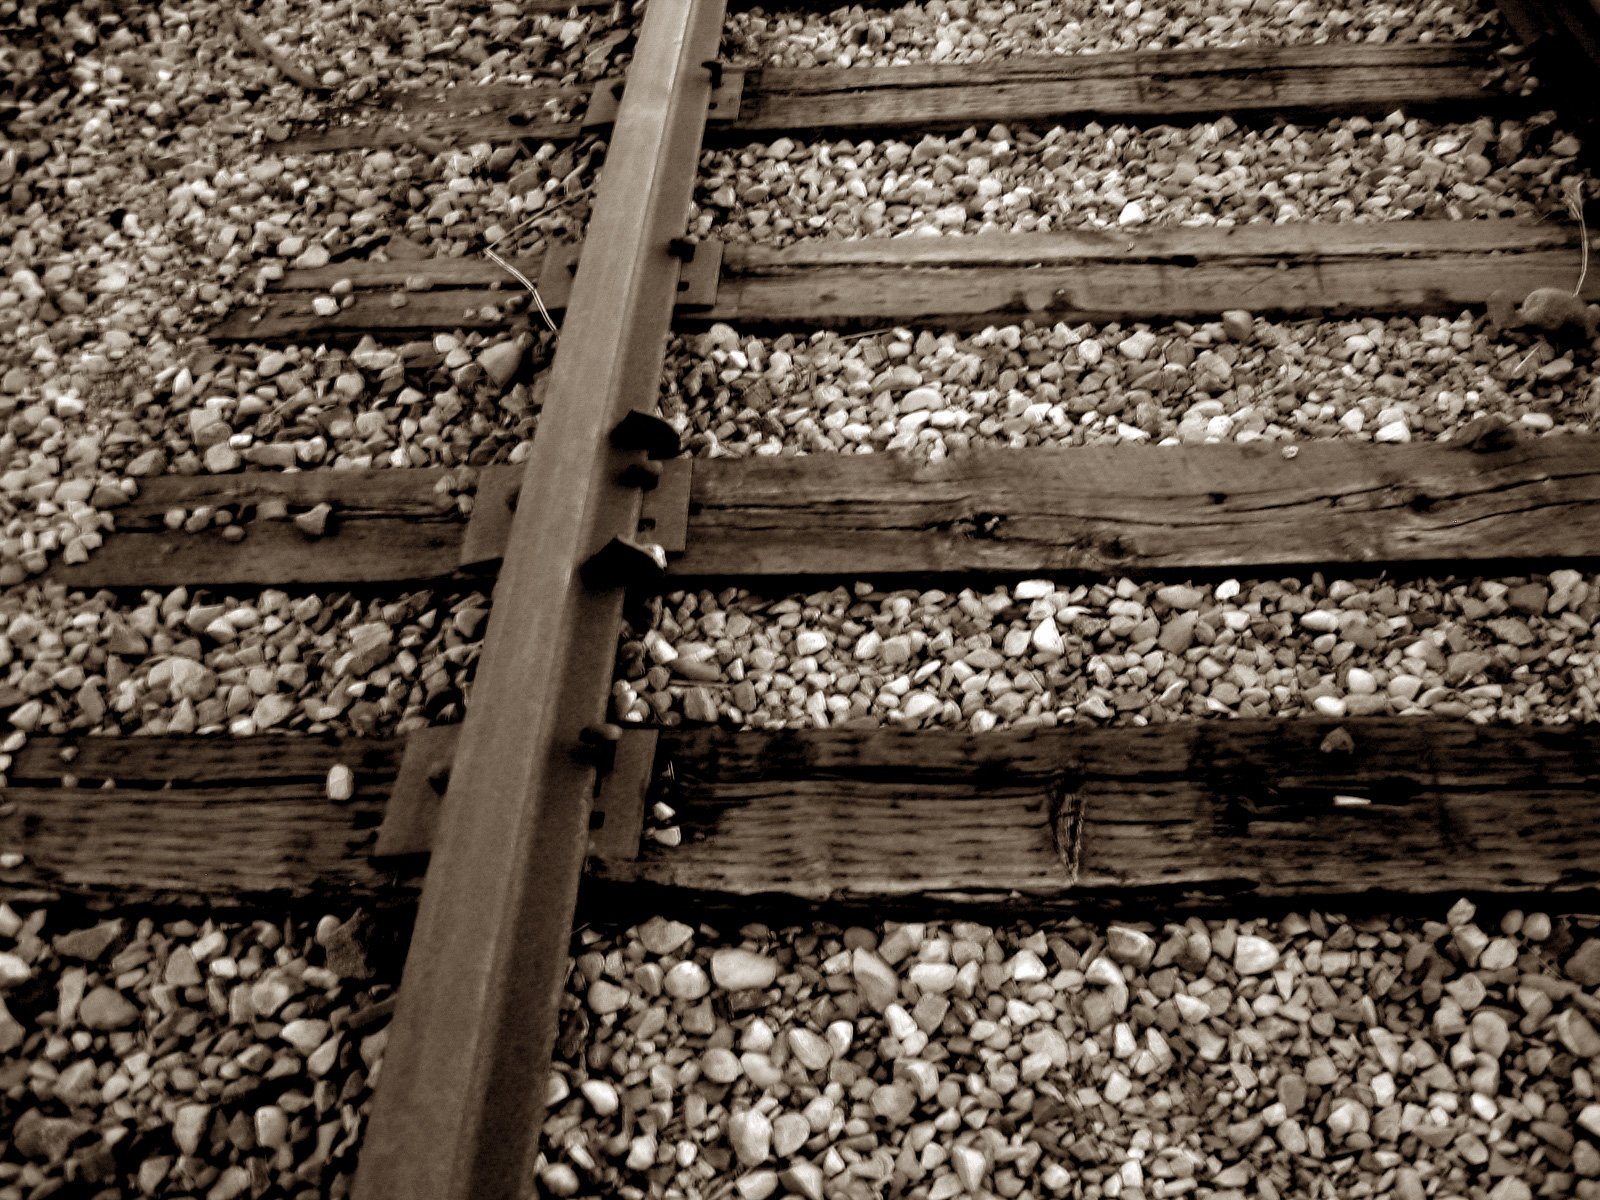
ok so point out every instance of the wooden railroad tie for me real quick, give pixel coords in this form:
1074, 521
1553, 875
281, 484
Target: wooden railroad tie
1310, 269
1037, 820
1092, 509
1339, 80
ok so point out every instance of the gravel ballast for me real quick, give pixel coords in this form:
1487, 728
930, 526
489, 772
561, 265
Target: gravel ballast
932, 393
1305, 1056
1042, 653
958, 31
146, 201
216, 1059
1095, 176
213, 662
1310, 1055
118, 386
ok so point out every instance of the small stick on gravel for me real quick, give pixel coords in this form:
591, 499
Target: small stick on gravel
1572, 189
545, 210
286, 67
527, 283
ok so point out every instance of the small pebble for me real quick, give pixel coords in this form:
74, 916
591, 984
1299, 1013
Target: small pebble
1253, 955
740, 970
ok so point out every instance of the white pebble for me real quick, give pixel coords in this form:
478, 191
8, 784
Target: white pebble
1254, 955
601, 1095
750, 1135
738, 970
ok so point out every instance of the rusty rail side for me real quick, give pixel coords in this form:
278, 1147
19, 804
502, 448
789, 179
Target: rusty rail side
459, 1106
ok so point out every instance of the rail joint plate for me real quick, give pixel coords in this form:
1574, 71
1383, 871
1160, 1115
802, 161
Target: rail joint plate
727, 96
616, 822
603, 104
418, 793
493, 505
699, 276
665, 515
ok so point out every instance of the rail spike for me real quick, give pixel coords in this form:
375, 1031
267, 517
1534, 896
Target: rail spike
625, 562
641, 429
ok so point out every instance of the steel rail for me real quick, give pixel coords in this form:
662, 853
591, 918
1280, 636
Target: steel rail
459, 1105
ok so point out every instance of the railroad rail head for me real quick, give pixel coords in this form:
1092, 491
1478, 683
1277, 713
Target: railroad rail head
458, 1109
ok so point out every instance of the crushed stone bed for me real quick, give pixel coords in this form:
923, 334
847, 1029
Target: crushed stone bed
142, 199
182, 661
186, 1056
957, 31
1309, 1055
932, 393
1043, 653
1099, 176
147, 201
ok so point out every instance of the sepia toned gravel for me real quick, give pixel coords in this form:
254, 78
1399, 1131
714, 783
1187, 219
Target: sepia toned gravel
1303, 1055
959, 31
932, 393
1041, 653
1099, 176
1310, 1055
216, 1059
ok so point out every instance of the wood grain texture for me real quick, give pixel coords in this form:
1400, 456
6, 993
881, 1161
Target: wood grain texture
387, 526
192, 760
288, 317
1302, 268
458, 292
197, 818
1174, 244
1300, 80
1035, 821
1098, 509
1170, 84
1216, 809
463, 115
467, 271
1307, 268
451, 128
468, 98
1115, 509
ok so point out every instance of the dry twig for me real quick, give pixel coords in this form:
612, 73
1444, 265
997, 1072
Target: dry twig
289, 69
1572, 192
527, 283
